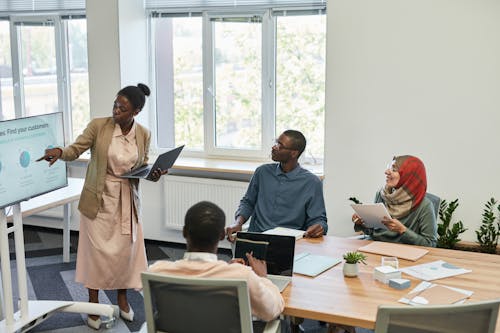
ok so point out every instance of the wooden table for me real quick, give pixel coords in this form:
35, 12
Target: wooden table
333, 298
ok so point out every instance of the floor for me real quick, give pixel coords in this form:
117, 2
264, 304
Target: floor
50, 278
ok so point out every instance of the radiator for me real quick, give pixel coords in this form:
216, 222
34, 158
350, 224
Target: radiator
183, 192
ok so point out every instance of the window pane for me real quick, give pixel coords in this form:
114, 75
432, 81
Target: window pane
79, 76
238, 84
300, 79
39, 69
188, 81
179, 70
6, 91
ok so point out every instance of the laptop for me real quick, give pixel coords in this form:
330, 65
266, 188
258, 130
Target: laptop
279, 256
164, 161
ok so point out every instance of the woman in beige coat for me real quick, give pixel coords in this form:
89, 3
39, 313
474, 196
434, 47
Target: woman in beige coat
111, 252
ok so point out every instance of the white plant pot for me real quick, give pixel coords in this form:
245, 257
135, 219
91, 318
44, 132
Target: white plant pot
350, 270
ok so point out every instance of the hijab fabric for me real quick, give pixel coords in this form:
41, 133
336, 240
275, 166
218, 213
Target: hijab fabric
410, 190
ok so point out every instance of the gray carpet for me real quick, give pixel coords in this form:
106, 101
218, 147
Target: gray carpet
51, 279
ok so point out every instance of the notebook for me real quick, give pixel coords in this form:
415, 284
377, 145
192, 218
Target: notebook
313, 264
408, 252
164, 162
279, 256
244, 246
298, 234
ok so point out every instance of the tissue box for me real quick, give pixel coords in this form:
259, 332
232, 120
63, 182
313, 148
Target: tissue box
399, 283
385, 273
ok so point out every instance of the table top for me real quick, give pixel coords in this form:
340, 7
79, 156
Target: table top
52, 199
331, 297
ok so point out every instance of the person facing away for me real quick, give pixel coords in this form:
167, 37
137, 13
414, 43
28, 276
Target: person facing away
203, 229
111, 252
413, 219
283, 193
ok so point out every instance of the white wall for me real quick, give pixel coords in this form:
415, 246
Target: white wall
413, 77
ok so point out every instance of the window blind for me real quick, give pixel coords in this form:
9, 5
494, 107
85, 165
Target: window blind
227, 4
30, 6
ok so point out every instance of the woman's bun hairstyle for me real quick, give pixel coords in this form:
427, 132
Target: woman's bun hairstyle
144, 88
136, 94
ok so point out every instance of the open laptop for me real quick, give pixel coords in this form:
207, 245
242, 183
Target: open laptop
279, 256
164, 161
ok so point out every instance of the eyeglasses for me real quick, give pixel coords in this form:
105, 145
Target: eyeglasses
281, 146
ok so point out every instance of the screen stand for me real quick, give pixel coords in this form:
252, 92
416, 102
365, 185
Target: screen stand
31, 313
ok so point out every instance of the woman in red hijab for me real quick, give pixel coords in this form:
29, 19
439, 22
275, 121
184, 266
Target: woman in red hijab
413, 220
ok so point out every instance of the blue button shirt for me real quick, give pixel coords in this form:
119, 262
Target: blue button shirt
275, 198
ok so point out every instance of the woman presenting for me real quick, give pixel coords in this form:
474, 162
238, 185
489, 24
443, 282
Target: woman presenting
111, 252
413, 220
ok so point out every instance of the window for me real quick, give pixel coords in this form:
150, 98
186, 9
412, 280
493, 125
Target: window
6, 90
46, 70
238, 66
300, 78
229, 81
78, 74
37, 53
180, 82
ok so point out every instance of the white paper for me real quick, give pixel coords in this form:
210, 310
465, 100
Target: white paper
372, 214
298, 234
417, 300
434, 270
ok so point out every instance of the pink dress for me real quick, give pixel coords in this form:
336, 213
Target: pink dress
111, 251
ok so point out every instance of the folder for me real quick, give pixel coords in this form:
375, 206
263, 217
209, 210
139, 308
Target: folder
312, 264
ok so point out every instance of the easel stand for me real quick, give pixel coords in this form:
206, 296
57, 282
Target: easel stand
31, 313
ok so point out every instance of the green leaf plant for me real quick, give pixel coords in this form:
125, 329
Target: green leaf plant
448, 237
354, 257
489, 232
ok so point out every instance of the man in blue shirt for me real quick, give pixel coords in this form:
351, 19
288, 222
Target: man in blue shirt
283, 194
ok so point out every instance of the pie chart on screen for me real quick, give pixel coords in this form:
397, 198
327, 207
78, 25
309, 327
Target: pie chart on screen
24, 159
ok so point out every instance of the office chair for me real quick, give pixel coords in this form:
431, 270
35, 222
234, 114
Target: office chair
188, 305
456, 318
435, 202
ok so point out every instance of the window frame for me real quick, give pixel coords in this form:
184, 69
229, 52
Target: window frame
59, 21
268, 78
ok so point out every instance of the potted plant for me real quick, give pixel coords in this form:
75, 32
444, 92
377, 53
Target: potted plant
448, 232
352, 259
488, 233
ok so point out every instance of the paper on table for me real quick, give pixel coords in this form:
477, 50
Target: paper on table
434, 270
282, 231
427, 293
371, 214
407, 252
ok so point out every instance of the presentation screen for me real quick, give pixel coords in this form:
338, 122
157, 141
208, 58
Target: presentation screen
22, 142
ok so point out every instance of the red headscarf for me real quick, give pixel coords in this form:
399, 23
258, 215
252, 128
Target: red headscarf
411, 188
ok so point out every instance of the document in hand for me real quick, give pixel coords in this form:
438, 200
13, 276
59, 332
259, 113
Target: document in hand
312, 264
434, 270
244, 246
372, 214
427, 293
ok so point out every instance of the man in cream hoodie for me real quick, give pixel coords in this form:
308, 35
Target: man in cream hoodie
203, 229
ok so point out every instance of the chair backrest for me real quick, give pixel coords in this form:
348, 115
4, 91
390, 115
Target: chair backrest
436, 201
473, 317
183, 304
